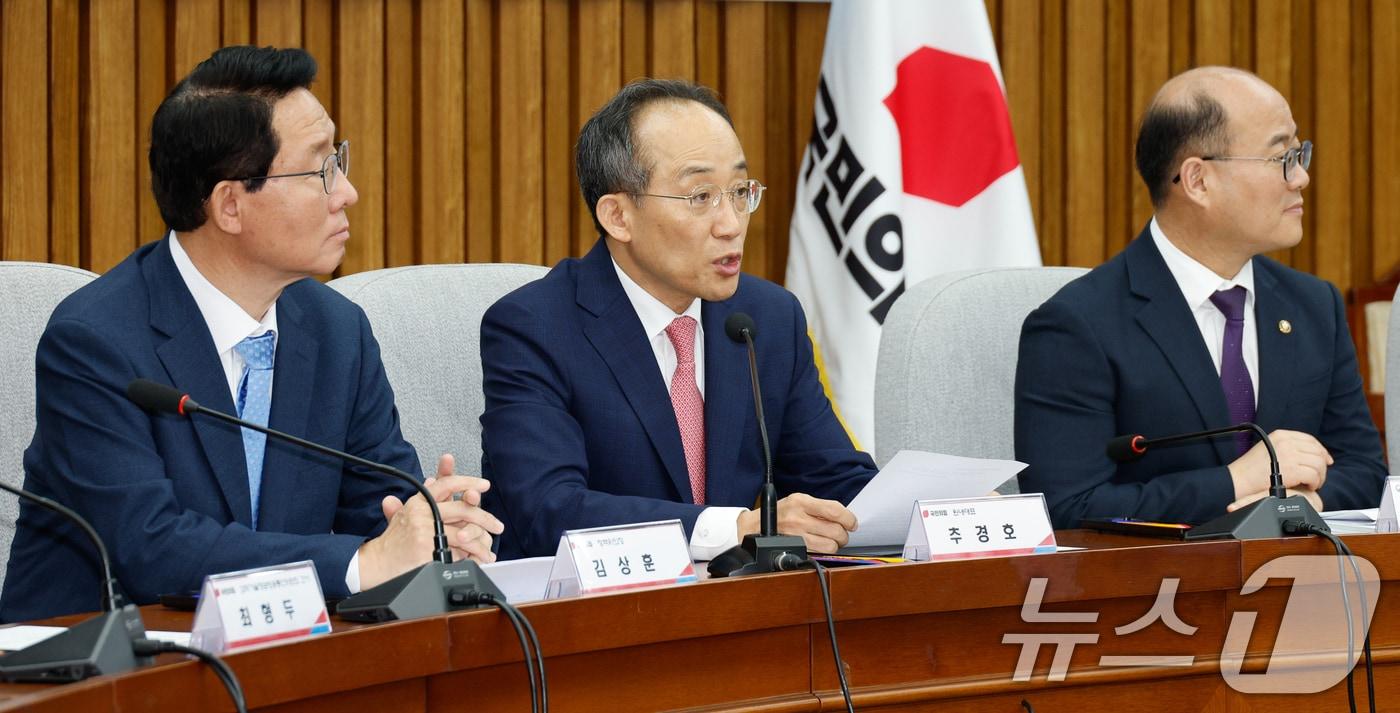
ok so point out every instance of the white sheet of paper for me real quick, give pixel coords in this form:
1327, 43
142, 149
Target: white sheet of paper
882, 508
14, 638
522, 580
1366, 515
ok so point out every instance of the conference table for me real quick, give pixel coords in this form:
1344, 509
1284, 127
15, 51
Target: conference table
914, 636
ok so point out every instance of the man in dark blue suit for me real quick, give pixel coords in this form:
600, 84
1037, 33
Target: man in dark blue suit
1191, 328
614, 396
248, 176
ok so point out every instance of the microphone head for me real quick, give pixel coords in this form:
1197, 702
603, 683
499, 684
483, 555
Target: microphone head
1125, 448
736, 324
158, 397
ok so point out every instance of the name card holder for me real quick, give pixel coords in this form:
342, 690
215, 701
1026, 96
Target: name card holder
968, 528
256, 607
609, 559
1386, 519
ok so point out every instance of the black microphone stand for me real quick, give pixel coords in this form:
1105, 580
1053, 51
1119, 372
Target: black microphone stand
1263, 519
101, 645
767, 551
434, 588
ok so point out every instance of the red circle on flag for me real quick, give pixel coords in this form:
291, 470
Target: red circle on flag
954, 129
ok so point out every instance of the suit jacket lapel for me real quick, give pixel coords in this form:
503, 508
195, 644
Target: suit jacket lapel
194, 367
1168, 320
616, 332
1276, 349
728, 404
297, 350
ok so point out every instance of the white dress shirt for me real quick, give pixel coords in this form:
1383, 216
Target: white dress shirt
717, 528
1198, 283
228, 325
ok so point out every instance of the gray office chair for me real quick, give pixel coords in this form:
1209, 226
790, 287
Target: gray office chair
1392, 388
427, 319
943, 382
29, 291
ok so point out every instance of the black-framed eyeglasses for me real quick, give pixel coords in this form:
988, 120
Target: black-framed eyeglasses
744, 196
338, 160
1296, 156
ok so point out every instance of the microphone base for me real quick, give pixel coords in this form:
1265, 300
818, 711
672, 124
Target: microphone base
435, 588
1261, 520
99, 646
760, 554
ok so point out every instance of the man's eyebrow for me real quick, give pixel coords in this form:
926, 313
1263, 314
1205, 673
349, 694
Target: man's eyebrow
1284, 138
693, 169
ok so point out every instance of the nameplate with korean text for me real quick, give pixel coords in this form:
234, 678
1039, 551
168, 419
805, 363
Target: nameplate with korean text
259, 606
608, 559
968, 528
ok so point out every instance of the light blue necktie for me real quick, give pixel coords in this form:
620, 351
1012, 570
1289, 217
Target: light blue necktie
254, 404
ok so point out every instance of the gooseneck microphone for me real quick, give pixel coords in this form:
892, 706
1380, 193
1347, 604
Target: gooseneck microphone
767, 551
1131, 447
98, 646
154, 396
434, 588
740, 328
1274, 516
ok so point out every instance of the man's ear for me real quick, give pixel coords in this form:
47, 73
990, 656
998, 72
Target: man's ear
614, 212
225, 206
1194, 183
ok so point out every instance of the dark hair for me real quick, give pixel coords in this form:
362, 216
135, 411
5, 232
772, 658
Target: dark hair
217, 124
607, 159
1172, 131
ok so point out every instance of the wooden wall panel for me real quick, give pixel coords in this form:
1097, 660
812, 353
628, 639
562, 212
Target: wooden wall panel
360, 56
109, 146
519, 181
153, 82
598, 74
442, 111
1084, 102
557, 188
1384, 139
481, 111
65, 134
24, 196
464, 113
400, 159
279, 23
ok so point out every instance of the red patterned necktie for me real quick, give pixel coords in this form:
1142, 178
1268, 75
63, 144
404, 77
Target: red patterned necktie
689, 405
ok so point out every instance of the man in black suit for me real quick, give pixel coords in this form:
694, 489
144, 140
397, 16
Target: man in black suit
1191, 328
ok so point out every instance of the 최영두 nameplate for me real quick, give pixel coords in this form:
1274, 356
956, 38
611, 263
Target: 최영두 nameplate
607, 559
259, 606
968, 528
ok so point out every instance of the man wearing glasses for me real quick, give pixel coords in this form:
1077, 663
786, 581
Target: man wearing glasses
1191, 328
248, 175
613, 395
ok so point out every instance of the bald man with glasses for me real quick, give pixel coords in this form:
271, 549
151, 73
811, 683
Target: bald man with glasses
1191, 328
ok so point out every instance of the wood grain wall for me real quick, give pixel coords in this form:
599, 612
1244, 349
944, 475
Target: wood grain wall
463, 113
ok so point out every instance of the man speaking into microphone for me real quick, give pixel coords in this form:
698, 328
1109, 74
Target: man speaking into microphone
252, 181
1190, 329
614, 394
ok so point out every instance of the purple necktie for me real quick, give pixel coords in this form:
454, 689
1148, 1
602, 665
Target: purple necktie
1234, 374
